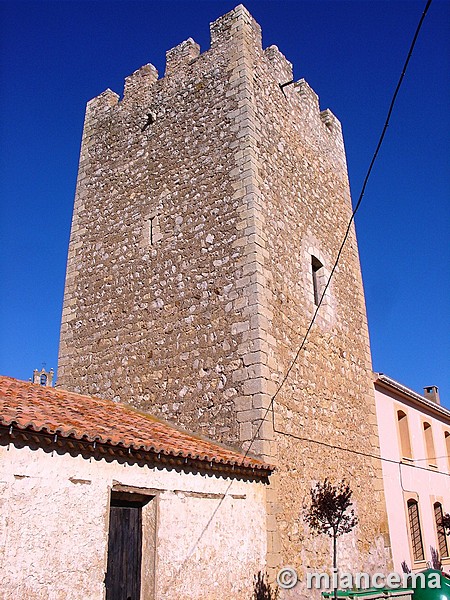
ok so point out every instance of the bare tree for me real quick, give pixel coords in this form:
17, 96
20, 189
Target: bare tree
330, 513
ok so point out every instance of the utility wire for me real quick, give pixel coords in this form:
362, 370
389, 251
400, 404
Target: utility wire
355, 210
367, 454
338, 257
347, 232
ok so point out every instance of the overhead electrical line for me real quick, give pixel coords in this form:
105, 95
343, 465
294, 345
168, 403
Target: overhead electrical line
336, 262
352, 218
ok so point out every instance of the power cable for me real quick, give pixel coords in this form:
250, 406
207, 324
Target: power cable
319, 304
355, 210
360, 453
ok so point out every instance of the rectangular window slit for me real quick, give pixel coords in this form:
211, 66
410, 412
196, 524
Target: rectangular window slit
316, 267
150, 230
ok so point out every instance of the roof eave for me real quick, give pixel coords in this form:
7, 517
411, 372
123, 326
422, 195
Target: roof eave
389, 383
150, 456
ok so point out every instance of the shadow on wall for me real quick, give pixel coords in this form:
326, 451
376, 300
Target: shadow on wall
263, 590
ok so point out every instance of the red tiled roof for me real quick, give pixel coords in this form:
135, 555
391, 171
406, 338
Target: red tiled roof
30, 406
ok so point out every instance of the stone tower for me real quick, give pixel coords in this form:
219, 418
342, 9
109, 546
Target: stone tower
209, 209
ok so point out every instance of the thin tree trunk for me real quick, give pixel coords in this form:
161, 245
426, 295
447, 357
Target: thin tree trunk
335, 563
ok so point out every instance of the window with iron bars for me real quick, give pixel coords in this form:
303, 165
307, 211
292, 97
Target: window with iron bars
442, 538
416, 533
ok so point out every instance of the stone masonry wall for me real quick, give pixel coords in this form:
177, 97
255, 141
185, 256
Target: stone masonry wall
189, 282
161, 324
324, 416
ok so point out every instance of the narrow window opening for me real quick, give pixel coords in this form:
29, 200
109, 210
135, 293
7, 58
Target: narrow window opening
317, 273
415, 530
153, 230
442, 538
43, 379
125, 542
405, 442
150, 230
429, 444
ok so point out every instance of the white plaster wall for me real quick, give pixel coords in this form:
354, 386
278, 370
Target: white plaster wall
404, 479
53, 531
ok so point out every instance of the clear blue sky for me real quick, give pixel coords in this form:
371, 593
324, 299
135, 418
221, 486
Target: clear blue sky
55, 56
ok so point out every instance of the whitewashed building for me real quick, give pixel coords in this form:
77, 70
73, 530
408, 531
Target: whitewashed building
101, 500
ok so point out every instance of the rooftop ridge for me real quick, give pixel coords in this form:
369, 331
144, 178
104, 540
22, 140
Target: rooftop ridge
385, 379
29, 406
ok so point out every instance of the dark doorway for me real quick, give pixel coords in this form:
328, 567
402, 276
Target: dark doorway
123, 574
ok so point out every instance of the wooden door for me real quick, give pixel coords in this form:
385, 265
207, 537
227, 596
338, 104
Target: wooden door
123, 575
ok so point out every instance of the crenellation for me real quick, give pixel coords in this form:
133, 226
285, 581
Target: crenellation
308, 96
101, 104
138, 85
331, 121
179, 57
237, 22
281, 69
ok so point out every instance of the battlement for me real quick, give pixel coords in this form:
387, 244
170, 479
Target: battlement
140, 82
282, 68
307, 94
237, 22
233, 25
180, 56
331, 121
235, 30
102, 103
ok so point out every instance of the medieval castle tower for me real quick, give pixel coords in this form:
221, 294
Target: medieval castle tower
209, 210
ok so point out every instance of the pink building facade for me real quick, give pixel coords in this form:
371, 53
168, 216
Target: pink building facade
414, 435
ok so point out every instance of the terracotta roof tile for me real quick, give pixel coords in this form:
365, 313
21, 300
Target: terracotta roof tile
53, 410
